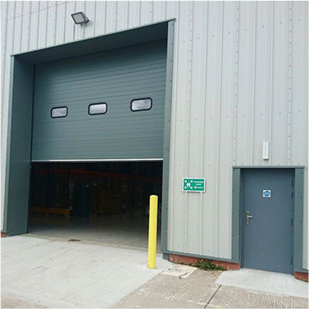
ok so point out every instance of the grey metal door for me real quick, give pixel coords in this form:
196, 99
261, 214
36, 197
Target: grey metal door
111, 79
267, 215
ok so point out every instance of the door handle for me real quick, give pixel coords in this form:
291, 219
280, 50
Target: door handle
248, 217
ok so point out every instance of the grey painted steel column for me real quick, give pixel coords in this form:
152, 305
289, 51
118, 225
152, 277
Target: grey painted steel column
236, 214
19, 149
167, 129
298, 219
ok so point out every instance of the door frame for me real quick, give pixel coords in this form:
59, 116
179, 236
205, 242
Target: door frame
237, 226
19, 138
243, 223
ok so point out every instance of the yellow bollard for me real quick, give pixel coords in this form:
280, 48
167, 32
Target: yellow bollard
152, 236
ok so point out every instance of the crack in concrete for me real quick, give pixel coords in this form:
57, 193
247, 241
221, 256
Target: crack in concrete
211, 298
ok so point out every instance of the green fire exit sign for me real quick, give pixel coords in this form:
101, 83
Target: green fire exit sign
193, 185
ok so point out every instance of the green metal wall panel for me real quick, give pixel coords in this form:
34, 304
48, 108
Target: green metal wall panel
15, 219
115, 77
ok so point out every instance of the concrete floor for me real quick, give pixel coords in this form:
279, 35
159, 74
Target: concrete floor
200, 290
57, 273
127, 230
265, 281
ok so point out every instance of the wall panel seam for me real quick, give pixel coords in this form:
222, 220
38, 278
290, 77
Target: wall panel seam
55, 24
73, 36
236, 83
204, 128
46, 28
4, 53
84, 26
151, 12
115, 15
253, 83
13, 31
188, 123
290, 83
65, 21
128, 15
94, 19
21, 28
140, 13
271, 79
217, 224
105, 13
174, 100
45, 8
37, 30
29, 24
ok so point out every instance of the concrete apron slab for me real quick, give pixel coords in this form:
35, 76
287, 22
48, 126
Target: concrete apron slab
230, 297
185, 287
200, 290
270, 282
58, 274
174, 291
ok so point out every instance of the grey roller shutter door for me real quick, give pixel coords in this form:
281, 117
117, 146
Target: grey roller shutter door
115, 77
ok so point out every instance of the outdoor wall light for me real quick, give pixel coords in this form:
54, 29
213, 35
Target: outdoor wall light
265, 150
80, 18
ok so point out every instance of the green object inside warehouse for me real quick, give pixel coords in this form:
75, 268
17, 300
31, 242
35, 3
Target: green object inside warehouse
106, 201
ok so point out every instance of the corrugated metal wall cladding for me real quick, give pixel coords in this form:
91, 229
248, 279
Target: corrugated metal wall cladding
225, 144
246, 78
299, 95
90, 8
280, 95
239, 56
212, 120
197, 110
159, 8
262, 86
179, 147
299, 75
237, 82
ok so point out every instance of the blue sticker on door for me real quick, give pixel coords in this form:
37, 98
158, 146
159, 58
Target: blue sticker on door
266, 193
